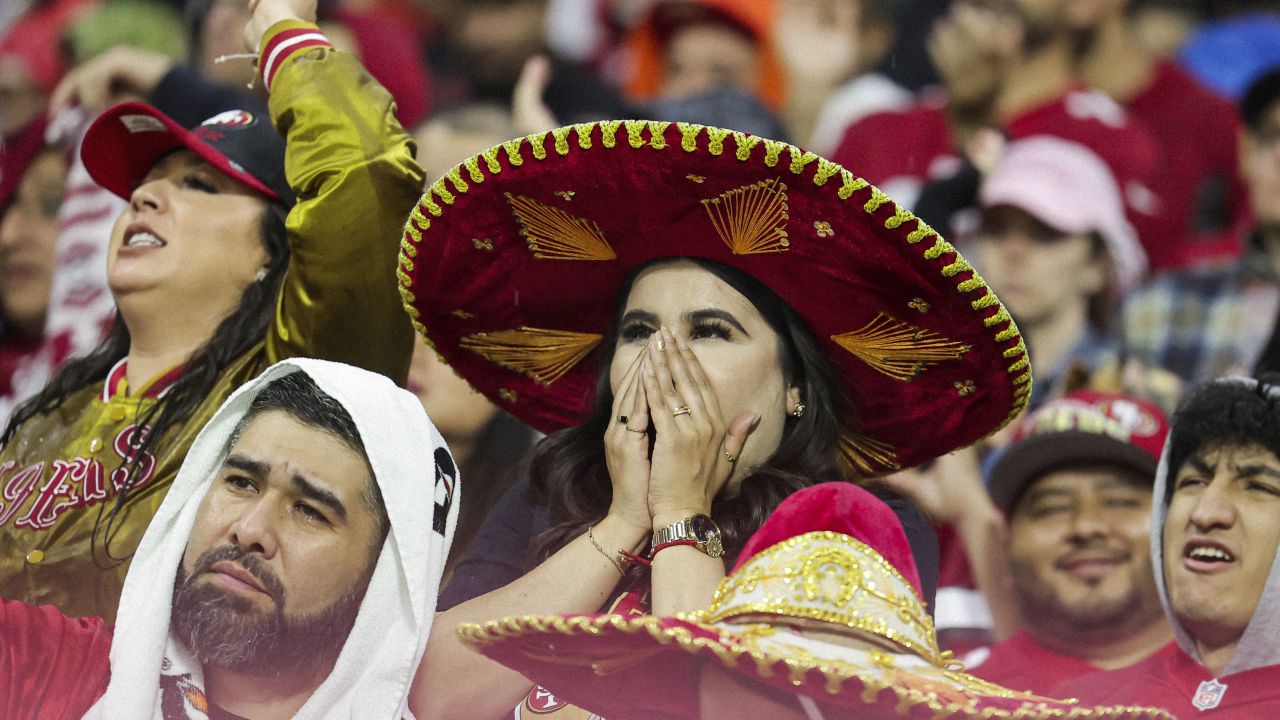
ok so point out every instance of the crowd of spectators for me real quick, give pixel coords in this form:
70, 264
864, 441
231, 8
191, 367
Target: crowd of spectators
1111, 167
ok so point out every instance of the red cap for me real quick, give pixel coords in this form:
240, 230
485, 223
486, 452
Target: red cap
1085, 427
123, 144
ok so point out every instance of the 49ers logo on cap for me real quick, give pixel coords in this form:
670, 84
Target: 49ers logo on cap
232, 119
542, 702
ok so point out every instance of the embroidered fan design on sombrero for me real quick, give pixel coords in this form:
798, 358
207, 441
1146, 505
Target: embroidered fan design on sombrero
752, 219
554, 234
866, 455
898, 349
544, 355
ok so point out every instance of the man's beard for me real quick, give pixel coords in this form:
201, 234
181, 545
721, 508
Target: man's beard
226, 630
1042, 606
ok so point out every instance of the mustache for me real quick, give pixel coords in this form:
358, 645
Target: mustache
251, 562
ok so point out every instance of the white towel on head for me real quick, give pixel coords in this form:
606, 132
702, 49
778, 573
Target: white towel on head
419, 484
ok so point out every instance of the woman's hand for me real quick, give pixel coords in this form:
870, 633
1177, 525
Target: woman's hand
267, 13
626, 450
695, 449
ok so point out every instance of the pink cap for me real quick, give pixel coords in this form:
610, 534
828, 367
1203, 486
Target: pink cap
1066, 186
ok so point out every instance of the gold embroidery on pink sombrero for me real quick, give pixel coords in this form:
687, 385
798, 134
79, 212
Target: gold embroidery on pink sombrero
823, 228
509, 395
898, 349
462, 314
482, 243
965, 387
544, 355
919, 305
752, 219
554, 234
867, 456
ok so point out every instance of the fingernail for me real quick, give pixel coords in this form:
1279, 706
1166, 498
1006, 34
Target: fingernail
660, 341
681, 343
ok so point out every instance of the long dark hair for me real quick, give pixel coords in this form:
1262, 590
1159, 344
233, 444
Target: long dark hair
567, 470
237, 333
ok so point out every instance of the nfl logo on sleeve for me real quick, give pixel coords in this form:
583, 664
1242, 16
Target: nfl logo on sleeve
1208, 695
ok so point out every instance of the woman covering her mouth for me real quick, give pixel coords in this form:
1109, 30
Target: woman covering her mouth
703, 322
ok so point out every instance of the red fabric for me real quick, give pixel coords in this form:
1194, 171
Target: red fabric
916, 144
51, 666
838, 507
17, 151
36, 36
1198, 136
1170, 678
913, 143
1021, 663
391, 52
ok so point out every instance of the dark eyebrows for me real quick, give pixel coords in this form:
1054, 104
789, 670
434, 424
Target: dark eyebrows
639, 316
696, 316
1256, 470
320, 495
255, 468
259, 469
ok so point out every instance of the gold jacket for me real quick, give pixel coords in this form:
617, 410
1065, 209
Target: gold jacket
353, 169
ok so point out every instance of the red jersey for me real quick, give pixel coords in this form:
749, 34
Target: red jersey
1197, 176
1170, 679
51, 666
901, 151
1021, 663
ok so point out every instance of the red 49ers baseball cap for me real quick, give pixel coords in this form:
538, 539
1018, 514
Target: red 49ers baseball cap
1082, 428
123, 145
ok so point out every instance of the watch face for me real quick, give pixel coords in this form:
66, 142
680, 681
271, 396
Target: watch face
704, 528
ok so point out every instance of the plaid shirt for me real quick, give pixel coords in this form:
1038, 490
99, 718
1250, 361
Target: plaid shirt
1206, 322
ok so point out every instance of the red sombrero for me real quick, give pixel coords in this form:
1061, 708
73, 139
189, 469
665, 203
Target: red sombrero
510, 264
824, 604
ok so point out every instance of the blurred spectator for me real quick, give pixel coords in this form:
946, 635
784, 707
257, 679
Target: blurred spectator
1207, 322
487, 443
1162, 27
1197, 176
487, 44
28, 235
30, 61
690, 47
390, 52
1009, 66
1226, 54
1075, 485
829, 50
1054, 243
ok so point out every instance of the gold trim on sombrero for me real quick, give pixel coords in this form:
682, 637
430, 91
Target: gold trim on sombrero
554, 234
898, 349
544, 355
714, 141
832, 578
728, 646
752, 219
867, 456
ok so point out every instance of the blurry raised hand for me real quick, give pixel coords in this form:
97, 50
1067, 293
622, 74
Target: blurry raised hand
269, 12
119, 74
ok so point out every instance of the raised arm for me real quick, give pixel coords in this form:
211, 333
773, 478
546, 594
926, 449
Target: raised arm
352, 167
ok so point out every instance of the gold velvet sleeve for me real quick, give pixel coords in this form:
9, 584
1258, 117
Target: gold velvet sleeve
353, 169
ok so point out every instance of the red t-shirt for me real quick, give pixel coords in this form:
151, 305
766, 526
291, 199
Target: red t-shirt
1197, 174
1170, 679
1020, 663
51, 666
901, 151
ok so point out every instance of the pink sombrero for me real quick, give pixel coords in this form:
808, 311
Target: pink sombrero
510, 265
824, 604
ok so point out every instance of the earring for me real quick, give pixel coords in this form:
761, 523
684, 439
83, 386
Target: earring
262, 275
798, 411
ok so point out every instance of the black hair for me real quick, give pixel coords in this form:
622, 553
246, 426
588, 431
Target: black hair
1218, 414
567, 470
298, 395
235, 335
1260, 97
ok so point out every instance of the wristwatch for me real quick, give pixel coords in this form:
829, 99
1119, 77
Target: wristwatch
700, 529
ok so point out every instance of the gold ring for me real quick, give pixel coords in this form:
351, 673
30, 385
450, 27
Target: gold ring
622, 419
682, 410
730, 457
